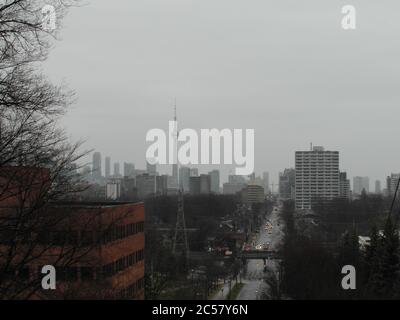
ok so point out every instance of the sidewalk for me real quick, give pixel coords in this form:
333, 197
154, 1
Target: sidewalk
222, 293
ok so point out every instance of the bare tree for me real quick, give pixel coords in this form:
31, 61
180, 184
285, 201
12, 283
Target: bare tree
38, 164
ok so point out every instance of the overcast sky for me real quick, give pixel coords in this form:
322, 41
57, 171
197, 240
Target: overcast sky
284, 68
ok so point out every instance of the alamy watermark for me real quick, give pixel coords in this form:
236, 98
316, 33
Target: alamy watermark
349, 280
349, 18
49, 280
186, 147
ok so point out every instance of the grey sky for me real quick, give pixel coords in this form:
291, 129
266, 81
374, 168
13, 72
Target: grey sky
284, 68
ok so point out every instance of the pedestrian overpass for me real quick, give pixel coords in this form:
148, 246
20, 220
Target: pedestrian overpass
259, 254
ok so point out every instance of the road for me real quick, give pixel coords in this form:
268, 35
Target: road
253, 279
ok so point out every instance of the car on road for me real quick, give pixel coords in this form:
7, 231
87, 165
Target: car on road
247, 247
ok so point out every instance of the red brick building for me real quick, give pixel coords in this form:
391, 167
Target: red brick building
113, 268
96, 248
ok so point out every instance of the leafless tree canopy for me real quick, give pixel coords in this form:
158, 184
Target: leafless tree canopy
30, 138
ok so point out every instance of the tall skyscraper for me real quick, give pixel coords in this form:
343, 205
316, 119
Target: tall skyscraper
117, 172
146, 185
194, 185
184, 176
378, 189
344, 186
391, 183
252, 194
214, 176
151, 168
317, 176
287, 184
86, 173
205, 184
162, 185
96, 166
236, 179
266, 182
174, 180
108, 167
194, 172
233, 187
129, 170
360, 184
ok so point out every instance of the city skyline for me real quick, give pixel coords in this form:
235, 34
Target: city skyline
264, 175
302, 77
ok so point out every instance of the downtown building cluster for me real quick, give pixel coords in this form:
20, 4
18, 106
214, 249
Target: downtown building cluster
136, 184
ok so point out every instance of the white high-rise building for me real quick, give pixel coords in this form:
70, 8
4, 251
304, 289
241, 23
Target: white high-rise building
317, 176
360, 184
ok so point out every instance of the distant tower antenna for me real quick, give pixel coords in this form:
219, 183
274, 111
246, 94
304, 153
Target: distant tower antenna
180, 243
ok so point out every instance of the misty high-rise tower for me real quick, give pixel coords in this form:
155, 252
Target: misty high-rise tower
108, 167
317, 177
96, 166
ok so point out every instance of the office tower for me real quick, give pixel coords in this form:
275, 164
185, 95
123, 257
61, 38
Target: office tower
391, 183
236, 179
128, 189
360, 184
146, 185
184, 176
162, 185
194, 172
287, 184
194, 185
266, 182
344, 186
378, 189
252, 194
317, 177
233, 187
108, 167
117, 172
151, 168
214, 176
86, 173
96, 166
113, 189
205, 184
139, 172
174, 181
252, 178
129, 170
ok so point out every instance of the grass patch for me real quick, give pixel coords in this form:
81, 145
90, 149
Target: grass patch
233, 294
215, 291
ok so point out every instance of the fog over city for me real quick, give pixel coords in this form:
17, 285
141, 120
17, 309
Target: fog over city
284, 68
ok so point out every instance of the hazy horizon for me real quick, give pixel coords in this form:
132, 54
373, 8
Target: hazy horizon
286, 69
